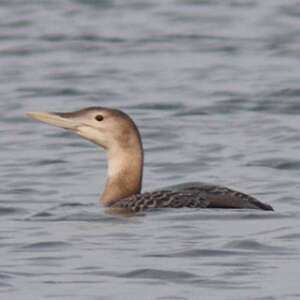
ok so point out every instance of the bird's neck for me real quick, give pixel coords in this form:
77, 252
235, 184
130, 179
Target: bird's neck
125, 170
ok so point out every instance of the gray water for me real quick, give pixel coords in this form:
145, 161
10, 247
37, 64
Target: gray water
214, 89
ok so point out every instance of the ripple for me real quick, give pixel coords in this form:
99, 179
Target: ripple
199, 253
79, 212
230, 106
224, 215
19, 191
272, 102
17, 24
49, 92
11, 211
290, 237
96, 3
158, 106
4, 276
45, 246
58, 37
158, 274
255, 246
277, 163
6, 285
286, 92
46, 162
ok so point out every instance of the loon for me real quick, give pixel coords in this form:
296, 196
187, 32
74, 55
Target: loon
116, 132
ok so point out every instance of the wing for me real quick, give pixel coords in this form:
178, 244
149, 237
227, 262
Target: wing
203, 196
222, 197
160, 199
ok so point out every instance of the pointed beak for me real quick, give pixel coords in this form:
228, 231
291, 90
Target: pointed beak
63, 120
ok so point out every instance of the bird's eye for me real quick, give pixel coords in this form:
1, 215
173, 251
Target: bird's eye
99, 118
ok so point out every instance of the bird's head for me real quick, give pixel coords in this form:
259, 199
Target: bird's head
109, 128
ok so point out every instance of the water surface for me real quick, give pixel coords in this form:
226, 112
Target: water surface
214, 89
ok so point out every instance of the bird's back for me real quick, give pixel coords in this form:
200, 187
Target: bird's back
195, 196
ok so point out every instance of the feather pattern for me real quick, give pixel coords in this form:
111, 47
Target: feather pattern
205, 196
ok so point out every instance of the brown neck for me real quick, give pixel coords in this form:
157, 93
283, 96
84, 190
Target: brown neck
125, 170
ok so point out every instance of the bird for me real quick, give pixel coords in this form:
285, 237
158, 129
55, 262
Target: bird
117, 133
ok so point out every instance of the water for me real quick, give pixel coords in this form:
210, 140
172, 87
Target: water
214, 89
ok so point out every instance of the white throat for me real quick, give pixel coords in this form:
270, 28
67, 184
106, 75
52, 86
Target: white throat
124, 175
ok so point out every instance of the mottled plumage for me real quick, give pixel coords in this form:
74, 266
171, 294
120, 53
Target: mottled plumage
159, 199
204, 196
